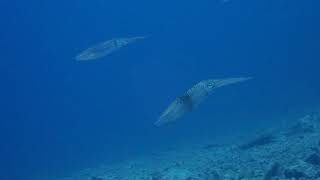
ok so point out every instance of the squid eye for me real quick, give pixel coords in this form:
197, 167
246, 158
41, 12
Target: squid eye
210, 85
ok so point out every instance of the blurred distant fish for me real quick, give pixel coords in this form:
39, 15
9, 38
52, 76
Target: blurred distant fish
193, 97
106, 48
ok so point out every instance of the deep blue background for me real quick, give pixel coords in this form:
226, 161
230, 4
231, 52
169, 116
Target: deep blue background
59, 115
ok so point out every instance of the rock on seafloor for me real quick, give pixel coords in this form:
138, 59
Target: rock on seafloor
290, 153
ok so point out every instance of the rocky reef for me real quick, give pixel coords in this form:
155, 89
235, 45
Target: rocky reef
291, 153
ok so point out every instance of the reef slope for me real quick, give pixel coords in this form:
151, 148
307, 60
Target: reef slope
292, 152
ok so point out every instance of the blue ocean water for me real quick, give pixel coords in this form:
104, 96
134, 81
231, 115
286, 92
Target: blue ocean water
60, 115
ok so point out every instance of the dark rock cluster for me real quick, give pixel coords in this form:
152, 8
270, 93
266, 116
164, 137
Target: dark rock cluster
259, 141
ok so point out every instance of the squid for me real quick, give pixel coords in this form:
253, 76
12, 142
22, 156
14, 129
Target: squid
193, 97
105, 48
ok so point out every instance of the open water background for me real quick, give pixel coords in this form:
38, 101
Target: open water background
59, 115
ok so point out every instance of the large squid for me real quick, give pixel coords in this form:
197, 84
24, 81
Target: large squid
193, 97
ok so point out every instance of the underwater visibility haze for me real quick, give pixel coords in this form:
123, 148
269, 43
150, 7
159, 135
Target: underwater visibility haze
96, 89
